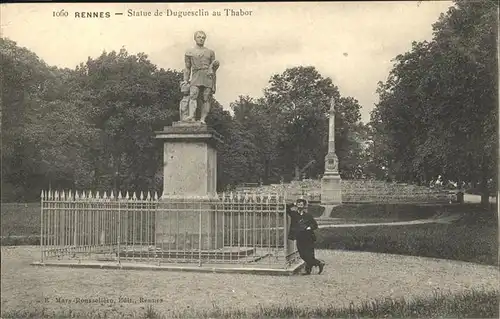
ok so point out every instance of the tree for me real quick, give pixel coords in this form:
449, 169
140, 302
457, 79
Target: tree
255, 118
438, 108
236, 157
299, 102
44, 132
350, 138
92, 127
129, 99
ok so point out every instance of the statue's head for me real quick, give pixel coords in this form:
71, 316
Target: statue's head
200, 37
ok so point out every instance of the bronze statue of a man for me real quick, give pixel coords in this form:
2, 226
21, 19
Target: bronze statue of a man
199, 74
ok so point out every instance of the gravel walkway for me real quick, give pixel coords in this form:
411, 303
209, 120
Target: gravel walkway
348, 277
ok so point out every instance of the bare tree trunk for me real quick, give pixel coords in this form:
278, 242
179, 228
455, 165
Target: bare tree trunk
297, 163
267, 170
297, 172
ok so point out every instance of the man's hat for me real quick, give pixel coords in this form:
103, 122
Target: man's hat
301, 200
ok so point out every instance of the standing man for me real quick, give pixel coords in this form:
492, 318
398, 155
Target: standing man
302, 227
200, 74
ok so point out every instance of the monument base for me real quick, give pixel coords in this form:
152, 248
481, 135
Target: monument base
188, 219
189, 160
189, 224
331, 190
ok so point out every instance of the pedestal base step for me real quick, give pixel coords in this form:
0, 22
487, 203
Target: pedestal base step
226, 253
212, 254
254, 269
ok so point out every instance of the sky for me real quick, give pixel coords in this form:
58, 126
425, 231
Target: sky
352, 43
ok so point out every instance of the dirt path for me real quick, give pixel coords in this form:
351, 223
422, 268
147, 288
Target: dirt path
436, 219
349, 277
470, 198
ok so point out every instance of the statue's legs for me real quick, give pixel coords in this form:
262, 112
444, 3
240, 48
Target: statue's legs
193, 97
207, 93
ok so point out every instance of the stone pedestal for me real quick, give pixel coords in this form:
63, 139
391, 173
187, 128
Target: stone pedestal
188, 219
331, 183
331, 190
189, 160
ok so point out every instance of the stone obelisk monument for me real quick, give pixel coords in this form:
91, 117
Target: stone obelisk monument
190, 157
331, 183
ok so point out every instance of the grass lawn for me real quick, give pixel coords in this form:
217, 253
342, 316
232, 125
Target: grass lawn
472, 304
316, 210
390, 212
473, 238
395, 212
20, 219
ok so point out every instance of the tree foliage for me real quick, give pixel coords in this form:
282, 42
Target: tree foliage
299, 100
437, 113
92, 127
44, 131
128, 99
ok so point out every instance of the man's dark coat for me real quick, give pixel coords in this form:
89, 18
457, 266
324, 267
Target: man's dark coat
299, 224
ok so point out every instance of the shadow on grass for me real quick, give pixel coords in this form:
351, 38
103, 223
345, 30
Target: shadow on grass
470, 304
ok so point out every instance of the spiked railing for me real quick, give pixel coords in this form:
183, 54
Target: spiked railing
237, 228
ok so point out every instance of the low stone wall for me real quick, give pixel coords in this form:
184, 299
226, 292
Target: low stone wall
364, 191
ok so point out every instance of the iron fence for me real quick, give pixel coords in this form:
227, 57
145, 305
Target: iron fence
233, 228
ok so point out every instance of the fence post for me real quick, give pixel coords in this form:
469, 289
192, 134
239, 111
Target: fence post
199, 235
41, 226
119, 231
285, 233
75, 221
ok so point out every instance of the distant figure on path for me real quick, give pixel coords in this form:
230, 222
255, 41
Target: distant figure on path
302, 227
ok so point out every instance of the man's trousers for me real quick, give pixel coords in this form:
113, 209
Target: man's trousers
305, 246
